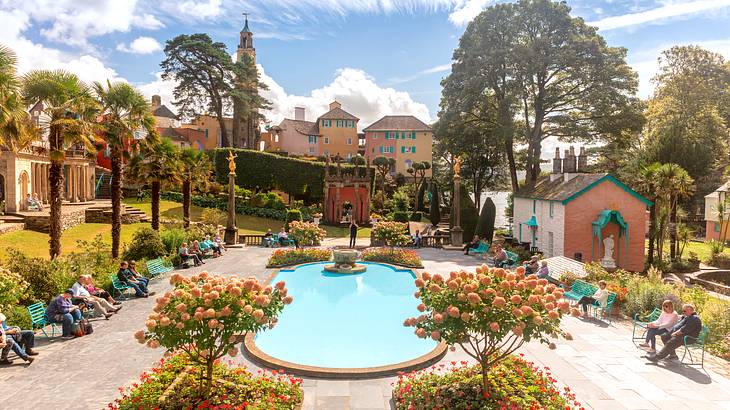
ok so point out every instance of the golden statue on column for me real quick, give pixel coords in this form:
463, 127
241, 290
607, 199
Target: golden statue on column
457, 166
232, 162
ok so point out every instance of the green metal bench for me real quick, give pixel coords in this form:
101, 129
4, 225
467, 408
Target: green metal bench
119, 288
607, 310
640, 322
580, 289
692, 343
512, 259
37, 312
481, 249
157, 267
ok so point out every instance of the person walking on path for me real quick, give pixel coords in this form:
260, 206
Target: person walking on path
353, 233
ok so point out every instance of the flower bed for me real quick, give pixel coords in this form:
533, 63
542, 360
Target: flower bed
402, 257
235, 387
289, 257
514, 384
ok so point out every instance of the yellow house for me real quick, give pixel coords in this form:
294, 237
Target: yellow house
402, 137
211, 127
338, 131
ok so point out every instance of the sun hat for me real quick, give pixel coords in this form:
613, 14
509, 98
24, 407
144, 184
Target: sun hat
69, 291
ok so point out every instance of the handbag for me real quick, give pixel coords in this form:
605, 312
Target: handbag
86, 327
78, 330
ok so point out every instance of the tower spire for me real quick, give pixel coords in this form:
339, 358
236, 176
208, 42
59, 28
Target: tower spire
245, 26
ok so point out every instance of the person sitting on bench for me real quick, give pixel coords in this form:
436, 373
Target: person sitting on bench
186, 255
500, 257
471, 245
283, 237
211, 245
600, 296
417, 239
101, 306
127, 277
689, 325
61, 310
269, 238
141, 278
20, 341
532, 265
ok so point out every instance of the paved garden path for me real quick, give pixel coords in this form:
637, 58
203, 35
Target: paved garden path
602, 365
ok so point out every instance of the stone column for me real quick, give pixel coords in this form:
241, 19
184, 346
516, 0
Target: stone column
79, 188
44, 184
457, 233
231, 235
83, 184
72, 183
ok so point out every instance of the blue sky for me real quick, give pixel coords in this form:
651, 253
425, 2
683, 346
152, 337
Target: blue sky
377, 57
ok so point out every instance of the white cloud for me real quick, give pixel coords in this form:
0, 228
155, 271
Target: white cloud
466, 10
437, 69
163, 88
668, 11
33, 56
141, 45
73, 22
196, 9
358, 92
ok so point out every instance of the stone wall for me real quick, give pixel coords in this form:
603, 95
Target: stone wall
41, 223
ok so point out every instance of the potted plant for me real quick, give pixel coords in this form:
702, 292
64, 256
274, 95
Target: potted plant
567, 279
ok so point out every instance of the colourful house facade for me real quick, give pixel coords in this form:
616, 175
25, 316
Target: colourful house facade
404, 138
714, 228
333, 133
572, 214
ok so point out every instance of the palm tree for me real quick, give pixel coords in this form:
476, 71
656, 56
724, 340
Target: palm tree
71, 111
195, 172
648, 186
674, 184
157, 163
16, 129
124, 112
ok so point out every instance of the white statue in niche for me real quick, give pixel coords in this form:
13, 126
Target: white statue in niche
608, 245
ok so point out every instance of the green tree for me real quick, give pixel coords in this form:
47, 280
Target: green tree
124, 112
383, 165
157, 163
418, 170
648, 186
485, 224
207, 78
435, 205
196, 169
72, 111
16, 130
551, 72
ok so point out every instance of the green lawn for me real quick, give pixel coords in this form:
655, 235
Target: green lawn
36, 243
702, 249
246, 224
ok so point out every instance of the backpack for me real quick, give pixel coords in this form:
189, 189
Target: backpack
86, 326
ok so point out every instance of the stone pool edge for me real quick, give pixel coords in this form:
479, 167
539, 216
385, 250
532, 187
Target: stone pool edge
257, 356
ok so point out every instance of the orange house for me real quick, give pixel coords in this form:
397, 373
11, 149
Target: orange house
587, 217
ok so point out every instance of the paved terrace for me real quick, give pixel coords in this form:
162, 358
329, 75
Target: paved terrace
602, 365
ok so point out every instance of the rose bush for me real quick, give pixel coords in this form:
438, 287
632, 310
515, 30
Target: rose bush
238, 389
403, 257
306, 233
514, 383
490, 313
205, 315
288, 257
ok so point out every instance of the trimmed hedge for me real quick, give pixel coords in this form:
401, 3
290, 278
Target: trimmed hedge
400, 216
267, 171
209, 201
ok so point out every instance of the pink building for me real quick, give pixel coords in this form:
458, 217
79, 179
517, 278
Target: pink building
572, 213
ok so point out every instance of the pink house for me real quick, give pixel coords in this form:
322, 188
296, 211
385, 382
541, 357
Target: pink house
584, 216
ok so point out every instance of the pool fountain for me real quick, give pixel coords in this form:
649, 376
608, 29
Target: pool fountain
345, 326
715, 280
345, 262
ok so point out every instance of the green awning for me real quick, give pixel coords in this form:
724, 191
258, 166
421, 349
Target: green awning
532, 222
606, 216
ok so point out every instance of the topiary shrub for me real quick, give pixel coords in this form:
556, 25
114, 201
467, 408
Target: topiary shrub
146, 244
292, 215
485, 225
416, 216
400, 216
469, 215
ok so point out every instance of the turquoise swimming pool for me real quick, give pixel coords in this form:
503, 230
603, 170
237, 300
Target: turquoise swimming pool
346, 321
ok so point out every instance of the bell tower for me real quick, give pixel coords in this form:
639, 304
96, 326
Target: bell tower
245, 123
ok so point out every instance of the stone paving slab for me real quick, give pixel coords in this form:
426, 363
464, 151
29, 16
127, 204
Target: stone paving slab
602, 365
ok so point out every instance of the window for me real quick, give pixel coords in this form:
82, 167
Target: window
413, 135
552, 211
402, 150
339, 123
413, 149
349, 155
391, 149
373, 150
206, 133
311, 150
375, 135
326, 152
312, 139
326, 140
349, 141
326, 123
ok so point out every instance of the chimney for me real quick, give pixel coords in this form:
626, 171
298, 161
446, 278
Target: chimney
334, 104
583, 160
299, 113
569, 161
156, 102
557, 162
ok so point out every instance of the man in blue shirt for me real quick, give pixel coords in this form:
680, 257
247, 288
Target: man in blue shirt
689, 325
61, 310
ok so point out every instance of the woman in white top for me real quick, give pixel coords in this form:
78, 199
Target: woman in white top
662, 325
601, 296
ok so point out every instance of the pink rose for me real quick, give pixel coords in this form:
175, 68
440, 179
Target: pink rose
494, 326
527, 311
248, 309
499, 301
198, 316
436, 335
139, 335
438, 318
552, 346
280, 285
538, 320
210, 313
287, 300
213, 323
420, 283
258, 314
516, 299
421, 332
465, 316
181, 307
153, 344
421, 307
453, 311
164, 321
553, 314
151, 324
